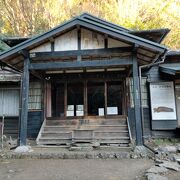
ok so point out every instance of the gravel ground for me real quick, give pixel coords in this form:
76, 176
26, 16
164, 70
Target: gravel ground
82, 169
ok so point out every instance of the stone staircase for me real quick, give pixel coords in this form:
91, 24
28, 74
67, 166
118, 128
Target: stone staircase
109, 131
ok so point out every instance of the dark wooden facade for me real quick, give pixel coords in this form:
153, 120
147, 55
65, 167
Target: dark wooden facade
83, 50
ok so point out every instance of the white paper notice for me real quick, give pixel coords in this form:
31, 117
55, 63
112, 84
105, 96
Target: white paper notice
112, 110
101, 111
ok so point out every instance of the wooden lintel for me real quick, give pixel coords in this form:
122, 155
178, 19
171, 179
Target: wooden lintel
90, 52
114, 62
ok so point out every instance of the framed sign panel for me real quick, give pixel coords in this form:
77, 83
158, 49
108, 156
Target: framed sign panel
162, 101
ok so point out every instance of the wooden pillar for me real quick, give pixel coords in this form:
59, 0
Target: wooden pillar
65, 99
48, 99
85, 99
24, 103
137, 101
105, 98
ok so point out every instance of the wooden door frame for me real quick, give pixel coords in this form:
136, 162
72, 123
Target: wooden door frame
48, 100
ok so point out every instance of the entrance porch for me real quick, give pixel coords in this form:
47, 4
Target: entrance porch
86, 107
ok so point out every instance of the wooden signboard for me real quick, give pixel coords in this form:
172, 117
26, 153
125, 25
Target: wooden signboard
162, 101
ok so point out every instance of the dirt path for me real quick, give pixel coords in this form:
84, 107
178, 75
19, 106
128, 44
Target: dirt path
73, 169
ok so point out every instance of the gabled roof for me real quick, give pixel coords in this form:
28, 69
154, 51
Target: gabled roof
155, 35
13, 41
90, 17
174, 53
90, 22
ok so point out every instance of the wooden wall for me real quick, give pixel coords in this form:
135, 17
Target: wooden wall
147, 125
35, 119
11, 125
157, 128
69, 41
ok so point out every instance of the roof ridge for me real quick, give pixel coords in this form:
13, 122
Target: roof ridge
91, 17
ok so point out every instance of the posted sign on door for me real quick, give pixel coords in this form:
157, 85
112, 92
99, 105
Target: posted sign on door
162, 101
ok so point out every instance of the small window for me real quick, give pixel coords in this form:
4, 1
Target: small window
144, 92
35, 96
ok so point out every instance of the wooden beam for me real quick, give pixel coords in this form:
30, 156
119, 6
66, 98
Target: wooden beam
114, 62
90, 52
137, 101
79, 43
24, 103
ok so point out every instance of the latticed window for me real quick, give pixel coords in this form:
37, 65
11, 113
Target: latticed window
35, 96
144, 92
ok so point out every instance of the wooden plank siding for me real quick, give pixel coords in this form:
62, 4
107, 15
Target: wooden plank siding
67, 41
89, 40
35, 119
156, 128
11, 125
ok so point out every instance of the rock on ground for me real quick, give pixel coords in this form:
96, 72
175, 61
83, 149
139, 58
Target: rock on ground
23, 149
169, 149
152, 176
157, 170
170, 165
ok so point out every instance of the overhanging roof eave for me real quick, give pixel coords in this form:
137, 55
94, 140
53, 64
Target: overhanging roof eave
171, 68
87, 24
130, 37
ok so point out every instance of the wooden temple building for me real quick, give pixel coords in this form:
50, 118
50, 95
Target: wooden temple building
85, 81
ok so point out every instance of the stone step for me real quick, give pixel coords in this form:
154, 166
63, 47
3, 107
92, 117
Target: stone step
87, 122
86, 127
111, 134
57, 134
54, 141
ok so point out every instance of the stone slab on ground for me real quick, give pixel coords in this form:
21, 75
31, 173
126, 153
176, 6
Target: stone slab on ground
170, 165
60, 153
152, 176
142, 152
169, 149
157, 170
177, 158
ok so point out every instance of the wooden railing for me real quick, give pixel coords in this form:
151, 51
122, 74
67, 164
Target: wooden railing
129, 130
42, 127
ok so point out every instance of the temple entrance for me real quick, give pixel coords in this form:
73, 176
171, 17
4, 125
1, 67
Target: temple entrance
96, 99
75, 96
93, 98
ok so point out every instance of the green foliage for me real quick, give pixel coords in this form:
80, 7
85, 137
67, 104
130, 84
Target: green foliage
166, 141
31, 17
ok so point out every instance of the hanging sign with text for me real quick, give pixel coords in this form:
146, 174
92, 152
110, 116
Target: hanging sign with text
162, 101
